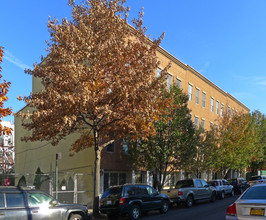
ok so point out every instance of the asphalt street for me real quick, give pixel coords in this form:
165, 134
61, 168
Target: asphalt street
200, 211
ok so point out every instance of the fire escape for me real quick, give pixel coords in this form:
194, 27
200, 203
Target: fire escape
6, 155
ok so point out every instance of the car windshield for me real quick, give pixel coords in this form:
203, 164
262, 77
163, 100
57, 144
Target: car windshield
184, 184
258, 192
255, 178
115, 191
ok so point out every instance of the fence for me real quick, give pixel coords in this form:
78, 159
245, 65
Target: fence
70, 188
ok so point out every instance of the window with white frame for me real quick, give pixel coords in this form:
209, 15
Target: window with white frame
217, 108
197, 95
203, 99
202, 123
228, 110
196, 122
178, 83
169, 81
232, 113
212, 104
222, 109
190, 92
158, 72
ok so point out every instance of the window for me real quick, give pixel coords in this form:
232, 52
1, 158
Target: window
178, 83
125, 146
217, 108
169, 81
14, 200
37, 199
203, 99
202, 123
228, 110
198, 183
158, 72
196, 122
2, 201
110, 147
232, 113
212, 103
197, 95
222, 109
190, 92
113, 179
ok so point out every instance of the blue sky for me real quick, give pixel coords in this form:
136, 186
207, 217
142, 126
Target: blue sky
224, 40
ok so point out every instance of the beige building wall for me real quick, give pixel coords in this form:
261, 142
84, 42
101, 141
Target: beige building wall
189, 76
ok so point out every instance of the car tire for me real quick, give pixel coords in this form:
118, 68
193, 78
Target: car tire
213, 197
222, 195
232, 193
76, 217
189, 201
165, 207
134, 212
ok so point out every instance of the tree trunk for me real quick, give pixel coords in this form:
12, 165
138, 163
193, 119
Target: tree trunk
96, 175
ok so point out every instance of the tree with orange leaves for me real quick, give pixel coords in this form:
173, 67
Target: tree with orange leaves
99, 80
4, 86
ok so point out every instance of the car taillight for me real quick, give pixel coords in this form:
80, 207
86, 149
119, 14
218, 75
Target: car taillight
260, 181
180, 193
122, 201
231, 210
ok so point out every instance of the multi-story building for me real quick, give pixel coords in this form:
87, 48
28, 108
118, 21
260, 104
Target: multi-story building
206, 100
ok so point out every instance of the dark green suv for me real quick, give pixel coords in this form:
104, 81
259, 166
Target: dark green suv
131, 200
26, 203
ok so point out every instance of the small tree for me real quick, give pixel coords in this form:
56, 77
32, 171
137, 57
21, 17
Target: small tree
4, 86
99, 79
174, 143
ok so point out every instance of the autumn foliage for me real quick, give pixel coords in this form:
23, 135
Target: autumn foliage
99, 78
4, 86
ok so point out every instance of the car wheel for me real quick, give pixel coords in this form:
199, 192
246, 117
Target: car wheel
213, 197
189, 201
76, 217
232, 193
134, 212
222, 195
165, 207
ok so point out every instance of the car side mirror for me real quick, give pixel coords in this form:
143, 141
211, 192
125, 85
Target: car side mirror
206, 186
53, 203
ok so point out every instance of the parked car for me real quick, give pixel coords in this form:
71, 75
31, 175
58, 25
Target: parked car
26, 203
131, 200
257, 180
239, 184
250, 205
191, 190
222, 187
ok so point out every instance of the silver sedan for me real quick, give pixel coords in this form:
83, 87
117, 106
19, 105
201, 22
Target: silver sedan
250, 205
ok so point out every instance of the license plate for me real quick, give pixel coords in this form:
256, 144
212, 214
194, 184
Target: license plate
109, 202
258, 212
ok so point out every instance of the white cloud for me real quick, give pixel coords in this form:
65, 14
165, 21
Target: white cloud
12, 59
